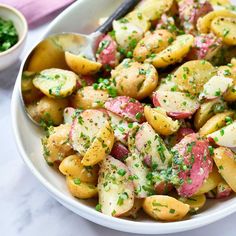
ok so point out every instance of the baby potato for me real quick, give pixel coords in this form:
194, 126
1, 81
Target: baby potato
153, 42
100, 147
47, 55
153, 9
133, 212
216, 122
72, 166
225, 28
56, 147
204, 23
192, 75
48, 111
88, 97
161, 207
226, 163
134, 79
159, 120
82, 65
81, 190
207, 110
173, 53
29, 92
210, 183
56, 83
195, 202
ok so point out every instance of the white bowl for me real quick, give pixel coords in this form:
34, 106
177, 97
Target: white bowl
83, 16
8, 57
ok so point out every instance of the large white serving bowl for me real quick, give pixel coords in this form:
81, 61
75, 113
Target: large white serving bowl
83, 17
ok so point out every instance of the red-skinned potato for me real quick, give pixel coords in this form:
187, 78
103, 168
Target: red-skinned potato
182, 132
119, 151
177, 104
126, 107
192, 162
223, 190
115, 189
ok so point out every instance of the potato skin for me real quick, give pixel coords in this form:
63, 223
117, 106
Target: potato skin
48, 110
195, 202
134, 79
56, 146
153, 42
225, 161
81, 190
165, 208
216, 122
87, 98
72, 166
159, 120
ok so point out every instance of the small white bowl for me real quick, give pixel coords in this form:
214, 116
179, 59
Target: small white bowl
8, 57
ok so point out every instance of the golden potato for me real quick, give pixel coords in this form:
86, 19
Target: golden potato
207, 110
173, 53
204, 23
56, 83
48, 111
165, 208
88, 97
216, 122
225, 28
82, 65
225, 160
29, 92
153, 42
72, 166
100, 147
81, 190
195, 202
210, 183
134, 79
56, 147
47, 55
153, 9
159, 120
192, 75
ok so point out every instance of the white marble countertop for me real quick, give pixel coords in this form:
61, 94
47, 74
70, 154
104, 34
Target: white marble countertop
26, 209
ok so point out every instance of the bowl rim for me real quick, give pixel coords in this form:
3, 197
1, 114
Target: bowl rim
24, 32
86, 212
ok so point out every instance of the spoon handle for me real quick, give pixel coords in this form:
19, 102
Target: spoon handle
124, 8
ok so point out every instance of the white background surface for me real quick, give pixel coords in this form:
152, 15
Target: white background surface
26, 209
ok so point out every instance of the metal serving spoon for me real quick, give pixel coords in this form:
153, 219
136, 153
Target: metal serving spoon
76, 43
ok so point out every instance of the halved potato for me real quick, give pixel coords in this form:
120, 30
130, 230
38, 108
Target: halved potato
225, 136
192, 75
225, 28
153, 9
80, 189
82, 65
56, 83
195, 202
159, 120
88, 97
216, 122
133, 212
210, 183
204, 23
100, 146
85, 128
115, 188
207, 110
72, 166
45, 56
165, 208
173, 53
139, 172
226, 163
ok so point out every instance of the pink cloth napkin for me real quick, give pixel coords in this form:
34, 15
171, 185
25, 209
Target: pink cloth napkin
36, 10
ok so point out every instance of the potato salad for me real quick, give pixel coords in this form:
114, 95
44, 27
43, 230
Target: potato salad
150, 125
